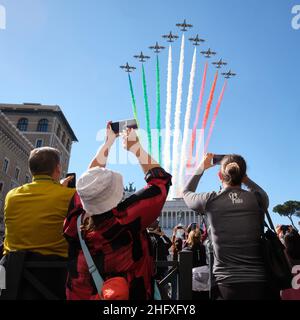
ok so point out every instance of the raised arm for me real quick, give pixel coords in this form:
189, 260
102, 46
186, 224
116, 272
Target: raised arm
145, 205
197, 201
253, 187
131, 143
101, 156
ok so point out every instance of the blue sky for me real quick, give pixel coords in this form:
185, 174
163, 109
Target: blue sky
68, 52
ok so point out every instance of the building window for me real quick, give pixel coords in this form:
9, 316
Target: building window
63, 139
1, 186
68, 145
43, 125
27, 178
39, 143
58, 131
22, 124
5, 165
17, 173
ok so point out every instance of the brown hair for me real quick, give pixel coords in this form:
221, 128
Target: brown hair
233, 169
194, 237
44, 160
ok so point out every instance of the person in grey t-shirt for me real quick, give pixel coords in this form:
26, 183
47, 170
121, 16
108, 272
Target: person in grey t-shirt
236, 224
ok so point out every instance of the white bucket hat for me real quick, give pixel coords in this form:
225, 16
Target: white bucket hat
100, 190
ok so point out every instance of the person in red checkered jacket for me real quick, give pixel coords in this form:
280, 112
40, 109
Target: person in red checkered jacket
115, 230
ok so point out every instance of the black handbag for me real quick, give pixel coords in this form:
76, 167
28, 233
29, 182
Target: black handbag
276, 262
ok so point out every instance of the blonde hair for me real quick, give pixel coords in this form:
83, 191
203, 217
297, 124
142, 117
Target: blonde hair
194, 237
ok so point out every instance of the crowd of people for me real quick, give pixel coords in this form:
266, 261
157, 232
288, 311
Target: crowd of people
45, 222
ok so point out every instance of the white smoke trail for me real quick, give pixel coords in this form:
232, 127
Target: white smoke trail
167, 146
184, 149
176, 137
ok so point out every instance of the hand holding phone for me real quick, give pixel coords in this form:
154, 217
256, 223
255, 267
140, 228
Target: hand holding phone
217, 159
120, 126
72, 182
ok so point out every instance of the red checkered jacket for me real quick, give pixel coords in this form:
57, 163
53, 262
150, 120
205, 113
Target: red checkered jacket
120, 244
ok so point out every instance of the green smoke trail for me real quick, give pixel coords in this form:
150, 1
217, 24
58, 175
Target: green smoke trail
147, 112
133, 100
158, 118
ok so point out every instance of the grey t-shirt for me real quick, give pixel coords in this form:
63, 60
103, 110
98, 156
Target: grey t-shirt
236, 224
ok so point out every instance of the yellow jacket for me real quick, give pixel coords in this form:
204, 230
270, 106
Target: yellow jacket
34, 214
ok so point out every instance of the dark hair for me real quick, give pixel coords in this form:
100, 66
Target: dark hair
233, 169
178, 244
154, 225
44, 160
292, 243
285, 229
192, 226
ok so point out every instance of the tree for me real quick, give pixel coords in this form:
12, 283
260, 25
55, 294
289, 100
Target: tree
289, 209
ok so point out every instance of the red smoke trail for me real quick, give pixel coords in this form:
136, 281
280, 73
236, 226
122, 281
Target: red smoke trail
215, 117
197, 116
206, 115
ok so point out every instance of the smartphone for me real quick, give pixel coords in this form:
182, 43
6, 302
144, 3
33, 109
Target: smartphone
72, 183
218, 158
194, 226
119, 126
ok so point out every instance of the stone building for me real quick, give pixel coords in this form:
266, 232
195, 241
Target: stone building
23, 128
14, 153
176, 212
43, 125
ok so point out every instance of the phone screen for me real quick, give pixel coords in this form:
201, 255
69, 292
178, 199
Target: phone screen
217, 159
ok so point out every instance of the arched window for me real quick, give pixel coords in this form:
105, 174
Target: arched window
39, 143
58, 131
43, 125
22, 124
63, 139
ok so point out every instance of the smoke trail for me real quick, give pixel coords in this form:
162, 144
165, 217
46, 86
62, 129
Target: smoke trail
167, 146
147, 112
133, 100
158, 118
177, 119
211, 128
206, 115
192, 145
184, 150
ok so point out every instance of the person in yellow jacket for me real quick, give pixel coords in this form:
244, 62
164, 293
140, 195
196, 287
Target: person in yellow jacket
34, 215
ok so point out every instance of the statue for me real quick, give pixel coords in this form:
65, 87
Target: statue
130, 187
